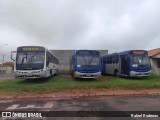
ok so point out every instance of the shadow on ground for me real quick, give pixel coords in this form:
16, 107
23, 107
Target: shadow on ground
135, 78
85, 79
37, 80
127, 78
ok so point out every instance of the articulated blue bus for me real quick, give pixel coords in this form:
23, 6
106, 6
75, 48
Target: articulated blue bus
131, 63
85, 64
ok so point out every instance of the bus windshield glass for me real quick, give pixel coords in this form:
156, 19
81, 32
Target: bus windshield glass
140, 61
30, 60
88, 61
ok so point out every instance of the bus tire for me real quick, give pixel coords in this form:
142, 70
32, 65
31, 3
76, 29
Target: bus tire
116, 73
50, 73
57, 72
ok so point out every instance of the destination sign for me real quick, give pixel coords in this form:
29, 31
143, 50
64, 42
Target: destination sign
30, 49
87, 52
138, 52
27, 49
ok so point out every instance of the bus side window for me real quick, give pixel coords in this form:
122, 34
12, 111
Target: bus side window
117, 58
113, 58
53, 59
47, 59
109, 60
126, 58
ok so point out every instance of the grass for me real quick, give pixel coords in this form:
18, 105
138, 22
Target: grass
64, 72
61, 83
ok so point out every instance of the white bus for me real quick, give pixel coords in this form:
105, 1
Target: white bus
34, 62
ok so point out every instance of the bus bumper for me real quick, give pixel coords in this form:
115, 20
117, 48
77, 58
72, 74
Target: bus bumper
139, 74
30, 75
86, 75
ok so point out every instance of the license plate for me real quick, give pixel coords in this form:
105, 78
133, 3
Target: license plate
29, 75
88, 75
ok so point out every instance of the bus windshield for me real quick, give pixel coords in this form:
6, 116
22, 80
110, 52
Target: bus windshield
140, 61
30, 60
88, 61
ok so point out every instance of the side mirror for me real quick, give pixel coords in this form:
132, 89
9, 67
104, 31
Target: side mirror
13, 55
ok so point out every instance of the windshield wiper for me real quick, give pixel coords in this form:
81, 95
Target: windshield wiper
84, 60
91, 60
23, 60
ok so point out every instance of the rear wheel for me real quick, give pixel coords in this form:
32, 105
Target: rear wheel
50, 73
116, 73
57, 72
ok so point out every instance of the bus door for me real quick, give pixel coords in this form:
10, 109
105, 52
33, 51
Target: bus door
124, 65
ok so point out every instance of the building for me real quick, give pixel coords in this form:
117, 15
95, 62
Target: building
155, 60
6, 68
64, 57
7, 64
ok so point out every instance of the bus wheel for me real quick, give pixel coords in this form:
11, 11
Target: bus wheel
50, 73
57, 72
116, 73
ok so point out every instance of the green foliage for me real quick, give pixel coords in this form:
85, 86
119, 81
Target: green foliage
61, 83
64, 72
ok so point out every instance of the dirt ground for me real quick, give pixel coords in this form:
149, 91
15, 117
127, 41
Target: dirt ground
77, 93
6, 77
65, 75
82, 93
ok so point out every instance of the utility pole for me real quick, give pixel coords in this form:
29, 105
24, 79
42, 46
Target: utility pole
3, 60
3, 54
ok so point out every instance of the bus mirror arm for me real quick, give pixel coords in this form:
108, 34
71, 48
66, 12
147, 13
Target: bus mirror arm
13, 52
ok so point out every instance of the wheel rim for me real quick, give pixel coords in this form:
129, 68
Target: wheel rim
116, 73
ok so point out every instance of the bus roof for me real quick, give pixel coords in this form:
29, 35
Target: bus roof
34, 48
135, 52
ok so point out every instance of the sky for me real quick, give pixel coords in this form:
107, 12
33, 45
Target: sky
113, 25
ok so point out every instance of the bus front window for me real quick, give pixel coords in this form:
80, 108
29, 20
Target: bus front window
140, 61
30, 60
88, 61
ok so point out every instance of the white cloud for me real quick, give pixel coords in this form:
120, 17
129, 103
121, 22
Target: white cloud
80, 24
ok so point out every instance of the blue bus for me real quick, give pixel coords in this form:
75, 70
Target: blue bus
131, 63
85, 64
